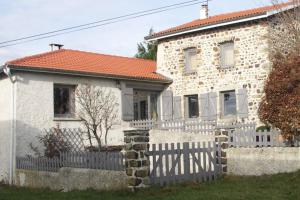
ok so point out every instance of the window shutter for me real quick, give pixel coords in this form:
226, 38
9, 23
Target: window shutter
187, 60
177, 107
242, 99
227, 54
167, 105
212, 106
204, 106
127, 104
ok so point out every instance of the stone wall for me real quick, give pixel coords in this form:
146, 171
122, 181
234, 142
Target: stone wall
260, 161
68, 179
137, 161
251, 68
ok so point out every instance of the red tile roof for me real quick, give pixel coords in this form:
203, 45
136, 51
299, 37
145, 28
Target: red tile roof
90, 63
217, 19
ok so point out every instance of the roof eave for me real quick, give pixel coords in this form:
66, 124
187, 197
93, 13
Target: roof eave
265, 14
86, 74
206, 27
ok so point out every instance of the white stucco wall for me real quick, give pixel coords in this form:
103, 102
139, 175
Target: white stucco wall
5, 126
260, 161
35, 110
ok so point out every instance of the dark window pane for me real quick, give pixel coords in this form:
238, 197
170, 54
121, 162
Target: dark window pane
136, 111
193, 106
62, 101
143, 107
229, 103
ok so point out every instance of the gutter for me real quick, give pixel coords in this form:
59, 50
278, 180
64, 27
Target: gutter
86, 74
262, 16
7, 71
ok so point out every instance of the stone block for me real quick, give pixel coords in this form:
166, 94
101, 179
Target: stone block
224, 145
134, 163
142, 173
129, 172
141, 139
139, 147
131, 155
134, 181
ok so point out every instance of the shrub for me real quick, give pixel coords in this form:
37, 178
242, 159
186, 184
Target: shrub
280, 106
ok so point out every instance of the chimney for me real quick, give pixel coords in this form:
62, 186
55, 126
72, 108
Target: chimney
204, 11
57, 46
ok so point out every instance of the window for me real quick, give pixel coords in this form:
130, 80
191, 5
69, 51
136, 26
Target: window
228, 103
192, 106
145, 105
190, 59
143, 108
227, 54
64, 101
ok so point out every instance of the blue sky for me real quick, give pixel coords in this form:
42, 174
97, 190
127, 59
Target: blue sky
26, 17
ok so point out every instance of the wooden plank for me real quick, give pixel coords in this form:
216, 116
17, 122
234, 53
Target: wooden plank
209, 161
179, 154
186, 157
167, 175
161, 174
204, 161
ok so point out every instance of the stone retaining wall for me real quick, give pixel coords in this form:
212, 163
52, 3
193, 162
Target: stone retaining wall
68, 179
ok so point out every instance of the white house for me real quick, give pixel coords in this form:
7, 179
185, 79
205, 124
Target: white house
36, 94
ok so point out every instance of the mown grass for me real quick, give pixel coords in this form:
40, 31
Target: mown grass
276, 187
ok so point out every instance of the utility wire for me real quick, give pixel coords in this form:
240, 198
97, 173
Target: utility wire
108, 21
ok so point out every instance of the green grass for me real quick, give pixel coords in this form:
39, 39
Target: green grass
281, 186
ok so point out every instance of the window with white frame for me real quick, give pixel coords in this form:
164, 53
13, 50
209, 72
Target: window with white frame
190, 59
228, 103
227, 54
64, 101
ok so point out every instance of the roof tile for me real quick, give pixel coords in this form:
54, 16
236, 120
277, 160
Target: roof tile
87, 62
219, 19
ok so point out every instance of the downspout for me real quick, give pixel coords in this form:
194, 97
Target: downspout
7, 71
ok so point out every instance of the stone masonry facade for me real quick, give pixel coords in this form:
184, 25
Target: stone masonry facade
251, 69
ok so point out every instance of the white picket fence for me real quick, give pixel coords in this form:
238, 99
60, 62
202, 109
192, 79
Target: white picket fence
190, 125
239, 134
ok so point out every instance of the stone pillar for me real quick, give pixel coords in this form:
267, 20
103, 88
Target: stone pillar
221, 137
136, 159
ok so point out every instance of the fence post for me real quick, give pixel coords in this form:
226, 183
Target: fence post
136, 159
221, 138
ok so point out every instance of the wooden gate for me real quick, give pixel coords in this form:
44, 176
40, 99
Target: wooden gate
184, 162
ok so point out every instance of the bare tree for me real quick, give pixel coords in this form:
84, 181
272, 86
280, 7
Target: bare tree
98, 110
285, 28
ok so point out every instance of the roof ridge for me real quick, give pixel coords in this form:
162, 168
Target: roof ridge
34, 56
64, 50
111, 55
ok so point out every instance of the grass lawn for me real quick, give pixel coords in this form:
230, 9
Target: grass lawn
282, 186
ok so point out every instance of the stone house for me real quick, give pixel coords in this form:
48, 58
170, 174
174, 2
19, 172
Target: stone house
218, 64
213, 68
